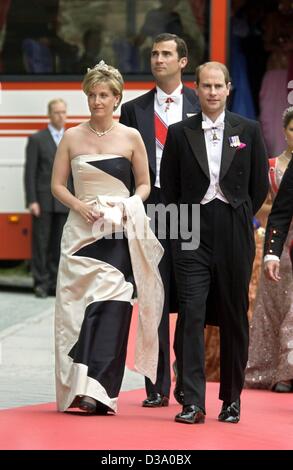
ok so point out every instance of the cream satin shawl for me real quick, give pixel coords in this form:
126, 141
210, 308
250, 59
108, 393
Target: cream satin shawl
145, 253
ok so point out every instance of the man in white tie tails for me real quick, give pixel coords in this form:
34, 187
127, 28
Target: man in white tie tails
168, 102
216, 159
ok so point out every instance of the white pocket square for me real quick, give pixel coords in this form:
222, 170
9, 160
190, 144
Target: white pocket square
190, 114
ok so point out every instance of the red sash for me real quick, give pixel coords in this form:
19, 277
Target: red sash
161, 130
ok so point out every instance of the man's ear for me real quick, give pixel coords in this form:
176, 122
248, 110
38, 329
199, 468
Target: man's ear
229, 87
183, 62
196, 88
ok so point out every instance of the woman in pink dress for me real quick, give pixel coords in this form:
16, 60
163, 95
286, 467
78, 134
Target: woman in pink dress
271, 329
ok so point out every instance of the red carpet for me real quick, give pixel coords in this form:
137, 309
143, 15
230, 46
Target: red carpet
266, 423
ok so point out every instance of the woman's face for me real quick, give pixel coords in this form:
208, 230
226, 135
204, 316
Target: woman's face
289, 135
101, 100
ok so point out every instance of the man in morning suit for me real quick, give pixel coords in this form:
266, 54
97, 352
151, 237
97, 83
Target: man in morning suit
278, 225
216, 159
168, 102
48, 214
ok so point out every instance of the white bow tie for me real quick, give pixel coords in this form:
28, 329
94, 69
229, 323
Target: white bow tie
163, 99
212, 126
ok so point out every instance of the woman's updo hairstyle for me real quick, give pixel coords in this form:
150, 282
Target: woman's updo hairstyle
103, 73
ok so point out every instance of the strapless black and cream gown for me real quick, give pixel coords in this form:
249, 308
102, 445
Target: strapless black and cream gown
95, 291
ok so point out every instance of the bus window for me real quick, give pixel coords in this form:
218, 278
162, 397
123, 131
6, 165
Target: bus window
66, 37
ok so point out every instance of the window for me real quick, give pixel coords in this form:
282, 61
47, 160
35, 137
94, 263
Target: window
67, 36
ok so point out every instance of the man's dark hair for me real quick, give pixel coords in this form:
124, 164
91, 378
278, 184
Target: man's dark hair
181, 46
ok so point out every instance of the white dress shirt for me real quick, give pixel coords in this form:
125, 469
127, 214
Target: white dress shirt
214, 154
169, 113
271, 258
56, 134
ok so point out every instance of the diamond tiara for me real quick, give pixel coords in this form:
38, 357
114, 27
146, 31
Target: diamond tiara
287, 111
103, 67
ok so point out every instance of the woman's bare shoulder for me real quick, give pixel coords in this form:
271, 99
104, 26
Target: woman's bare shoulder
130, 131
75, 130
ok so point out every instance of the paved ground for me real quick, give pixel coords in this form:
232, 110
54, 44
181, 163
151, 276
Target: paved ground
27, 349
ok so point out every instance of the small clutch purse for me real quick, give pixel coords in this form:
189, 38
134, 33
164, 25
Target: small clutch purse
112, 214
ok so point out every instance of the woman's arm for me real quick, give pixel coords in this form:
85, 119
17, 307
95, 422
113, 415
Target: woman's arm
140, 166
278, 224
60, 174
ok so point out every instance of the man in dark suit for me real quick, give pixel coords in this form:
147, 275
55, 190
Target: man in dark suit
49, 215
168, 102
278, 225
215, 159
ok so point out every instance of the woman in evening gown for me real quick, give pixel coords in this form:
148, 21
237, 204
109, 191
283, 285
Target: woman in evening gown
102, 254
271, 329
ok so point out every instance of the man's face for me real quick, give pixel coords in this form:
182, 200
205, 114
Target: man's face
57, 115
165, 63
212, 91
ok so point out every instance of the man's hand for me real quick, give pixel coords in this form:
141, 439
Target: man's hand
271, 270
35, 209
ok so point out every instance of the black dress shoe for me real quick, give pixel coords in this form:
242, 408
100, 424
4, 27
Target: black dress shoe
155, 401
190, 414
230, 412
40, 292
178, 395
92, 406
88, 404
102, 409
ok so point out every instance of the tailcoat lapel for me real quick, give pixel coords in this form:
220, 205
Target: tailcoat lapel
232, 128
146, 125
188, 106
195, 137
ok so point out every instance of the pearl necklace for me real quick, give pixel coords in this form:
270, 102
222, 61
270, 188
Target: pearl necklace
100, 134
